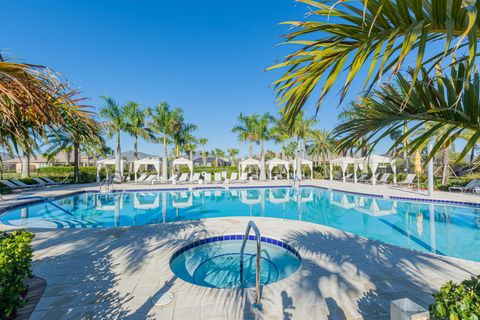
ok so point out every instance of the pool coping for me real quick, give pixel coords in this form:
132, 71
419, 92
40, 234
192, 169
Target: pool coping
228, 187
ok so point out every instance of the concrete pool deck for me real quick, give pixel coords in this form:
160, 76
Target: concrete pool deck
120, 272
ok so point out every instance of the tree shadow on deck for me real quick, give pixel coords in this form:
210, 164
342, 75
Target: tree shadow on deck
348, 271
84, 268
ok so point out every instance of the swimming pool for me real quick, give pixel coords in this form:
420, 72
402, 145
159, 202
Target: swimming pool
452, 230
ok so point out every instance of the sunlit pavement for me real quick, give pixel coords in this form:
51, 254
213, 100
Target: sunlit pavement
120, 272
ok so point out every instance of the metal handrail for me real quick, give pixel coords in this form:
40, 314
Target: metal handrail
107, 183
252, 225
295, 179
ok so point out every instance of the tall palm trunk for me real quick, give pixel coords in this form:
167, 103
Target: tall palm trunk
26, 164
263, 174
324, 167
76, 162
406, 161
204, 157
164, 159
177, 150
250, 149
472, 154
191, 155
118, 161
135, 148
283, 150
299, 160
446, 167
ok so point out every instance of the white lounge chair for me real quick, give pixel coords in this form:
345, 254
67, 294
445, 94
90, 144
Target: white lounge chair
408, 180
362, 178
24, 185
233, 177
43, 183
12, 185
469, 187
48, 180
195, 177
183, 178
207, 178
151, 179
142, 178
384, 178
218, 177
243, 177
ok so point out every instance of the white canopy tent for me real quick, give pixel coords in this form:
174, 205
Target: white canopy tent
304, 162
275, 162
343, 162
145, 162
373, 161
184, 162
109, 162
248, 162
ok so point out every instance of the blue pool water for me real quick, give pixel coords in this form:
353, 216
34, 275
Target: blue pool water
217, 264
451, 230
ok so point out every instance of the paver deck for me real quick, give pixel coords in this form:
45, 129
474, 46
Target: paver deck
118, 273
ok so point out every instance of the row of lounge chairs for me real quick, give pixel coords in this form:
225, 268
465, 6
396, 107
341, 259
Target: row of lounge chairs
381, 178
16, 184
195, 178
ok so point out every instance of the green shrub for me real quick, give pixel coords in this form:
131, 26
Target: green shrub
65, 173
15, 260
457, 301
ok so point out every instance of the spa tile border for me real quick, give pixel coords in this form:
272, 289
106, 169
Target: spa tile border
197, 243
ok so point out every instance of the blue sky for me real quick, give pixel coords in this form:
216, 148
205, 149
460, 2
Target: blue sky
207, 57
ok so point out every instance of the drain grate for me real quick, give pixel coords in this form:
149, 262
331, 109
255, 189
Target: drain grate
161, 300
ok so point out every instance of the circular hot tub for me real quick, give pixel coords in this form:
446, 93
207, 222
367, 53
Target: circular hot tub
215, 262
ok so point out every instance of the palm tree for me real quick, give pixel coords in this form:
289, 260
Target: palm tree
433, 101
115, 123
183, 134
190, 148
302, 129
136, 124
165, 122
280, 134
322, 145
218, 153
262, 133
78, 132
245, 130
380, 35
233, 153
203, 142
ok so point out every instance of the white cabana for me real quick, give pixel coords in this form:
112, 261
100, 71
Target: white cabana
109, 162
275, 162
184, 162
304, 162
373, 161
343, 162
248, 162
145, 162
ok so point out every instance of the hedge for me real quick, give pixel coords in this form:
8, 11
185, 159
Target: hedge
65, 173
15, 261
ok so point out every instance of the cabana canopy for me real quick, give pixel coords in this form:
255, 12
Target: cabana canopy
373, 161
147, 161
248, 162
109, 162
275, 162
304, 162
343, 162
183, 162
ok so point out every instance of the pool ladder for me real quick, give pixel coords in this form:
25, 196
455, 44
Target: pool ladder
252, 225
